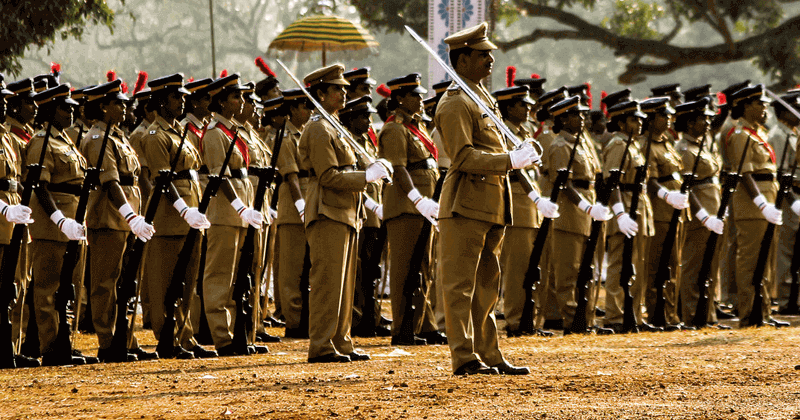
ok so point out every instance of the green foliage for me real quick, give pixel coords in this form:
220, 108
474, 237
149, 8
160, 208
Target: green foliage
635, 19
37, 24
392, 15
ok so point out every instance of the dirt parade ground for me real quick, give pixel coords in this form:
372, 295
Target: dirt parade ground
708, 374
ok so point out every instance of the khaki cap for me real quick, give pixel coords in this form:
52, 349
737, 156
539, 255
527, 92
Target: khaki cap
474, 37
331, 75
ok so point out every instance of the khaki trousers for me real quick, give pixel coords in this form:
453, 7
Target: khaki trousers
568, 251
514, 259
222, 258
333, 267
108, 246
615, 296
727, 262
48, 257
671, 285
471, 285
292, 256
20, 312
749, 234
161, 258
786, 234
691, 259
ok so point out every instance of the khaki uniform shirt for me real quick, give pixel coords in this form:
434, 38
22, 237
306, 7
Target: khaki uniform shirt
546, 138
612, 155
778, 136
334, 189
74, 131
664, 162
137, 142
288, 162
215, 145
10, 166
444, 160
476, 186
20, 143
727, 128
119, 162
757, 161
259, 158
585, 167
401, 147
374, 189
523, 211
197, 126
63, 164
708, 167
161, 144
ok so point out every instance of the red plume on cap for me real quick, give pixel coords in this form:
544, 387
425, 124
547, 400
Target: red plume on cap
511, 74
536, 76
262, 65
191, 79
589, 93
141, 79
111, 75
124, 87
721, 99
383, 91
55, 68
603, 106
224, 73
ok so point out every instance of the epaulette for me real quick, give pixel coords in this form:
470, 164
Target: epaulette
40, 135
453, 90
316, 117
96, 136
399, 119
546, 131
152, 132
738, 130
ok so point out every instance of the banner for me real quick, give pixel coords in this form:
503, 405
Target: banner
446, 17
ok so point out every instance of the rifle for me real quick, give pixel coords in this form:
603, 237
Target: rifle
756, 316
245, 278
8, 287
794, 292
126, 286
586, 271
166, 340
628, 270
534, 273
664, 273
704, 278
62, 345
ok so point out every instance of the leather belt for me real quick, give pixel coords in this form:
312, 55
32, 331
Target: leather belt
73, 189
429, 163
763, 177
303, 173
186, 174
128, 180
257, 171
204, 170
10, 185
345, 168
238, 173
709, 180
630, 187
671, 177
582, 184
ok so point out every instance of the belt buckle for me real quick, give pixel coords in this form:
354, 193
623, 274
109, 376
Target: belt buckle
715, 180
243, 172
193, 174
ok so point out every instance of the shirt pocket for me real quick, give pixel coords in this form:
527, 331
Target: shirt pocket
6, 163
483, 193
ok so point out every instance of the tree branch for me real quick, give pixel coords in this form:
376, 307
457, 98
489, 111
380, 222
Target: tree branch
721, 24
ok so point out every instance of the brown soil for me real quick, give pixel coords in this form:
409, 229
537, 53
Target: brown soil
708, 374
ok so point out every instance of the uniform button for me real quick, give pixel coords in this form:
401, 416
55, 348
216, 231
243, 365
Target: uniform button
483, 178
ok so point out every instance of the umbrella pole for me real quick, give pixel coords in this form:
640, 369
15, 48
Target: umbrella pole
213, 52
323, 55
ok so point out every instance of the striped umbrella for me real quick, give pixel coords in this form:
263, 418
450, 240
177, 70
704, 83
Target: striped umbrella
324, 33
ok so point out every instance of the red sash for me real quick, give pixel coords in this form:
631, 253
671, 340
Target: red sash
762, 142
539, 131
421, 136
239, 143
372, 137
193, 128
21, 134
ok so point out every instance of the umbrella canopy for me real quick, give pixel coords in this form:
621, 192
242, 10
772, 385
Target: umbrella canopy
324, 33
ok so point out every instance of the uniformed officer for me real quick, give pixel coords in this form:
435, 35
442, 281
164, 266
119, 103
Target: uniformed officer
697, 93
535, 86
673, 92
197, 113
752, 205
56, 199
269, 87
113, 211
577, 205
82, 123
625, 121
176, 213
230, 212
475, 207
332, 213
406, 144
693, 120
361, 84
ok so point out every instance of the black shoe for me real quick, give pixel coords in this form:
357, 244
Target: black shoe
382, 331
144, 355
720, 326
542, 333
434, 337
274, 322
296, 333
107, 356
672, 327
181, 353
30, 348
724, 315
54, 359
201, 353
514, 332
475, 367
230, 350
263, 337
26, 362
599, 312
645, 327
553, 324
408, 341
147, 325
619, 328
602, 331
506, 369
330, 358
385, 321
254, 349
362, 330
90, 360
357, 356
775, 323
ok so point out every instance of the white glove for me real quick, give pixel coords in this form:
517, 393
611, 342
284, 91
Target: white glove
626, 225
522, 158
374, 207
16, 213
711, 223
143, 230
273, 214
548, 208
598, 212
675, 199
769, 211
796, 207
71, 228
300, 205
193, 217
376, 171
254, 218
425, 206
